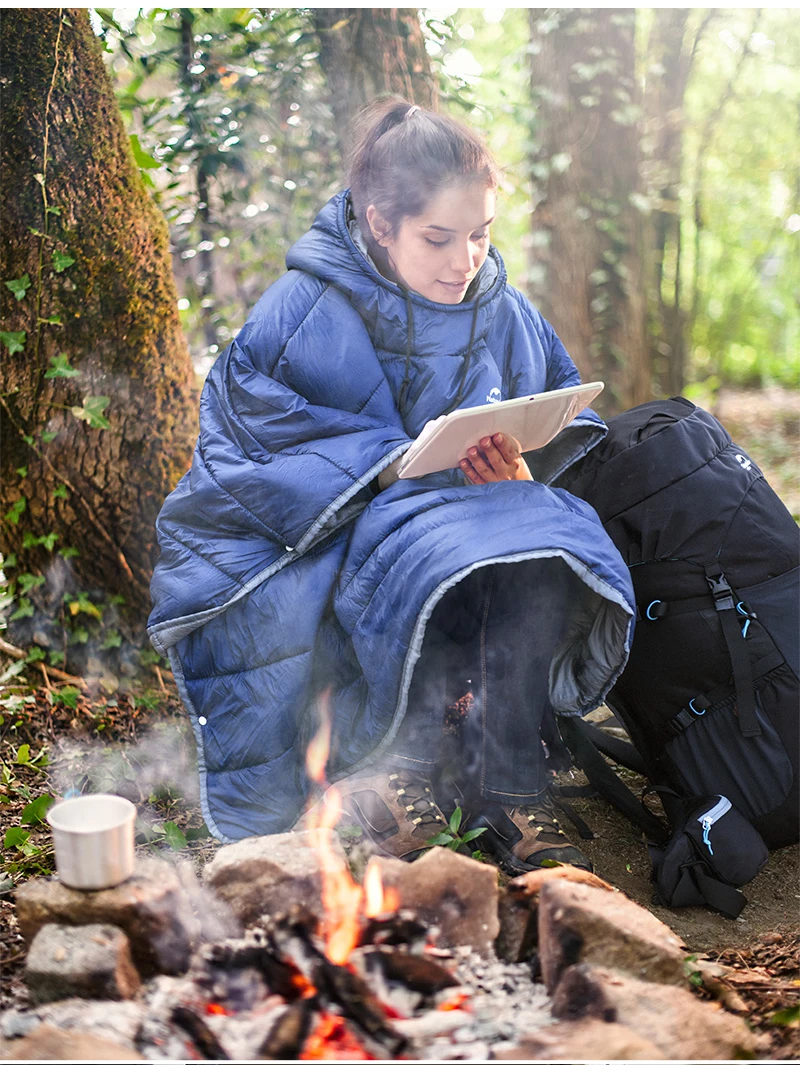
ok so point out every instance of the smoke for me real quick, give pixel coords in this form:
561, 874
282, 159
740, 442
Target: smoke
162, 764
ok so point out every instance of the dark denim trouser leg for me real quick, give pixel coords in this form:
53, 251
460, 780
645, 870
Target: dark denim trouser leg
498, 629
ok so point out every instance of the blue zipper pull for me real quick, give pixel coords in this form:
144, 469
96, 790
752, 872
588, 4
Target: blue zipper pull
707, 823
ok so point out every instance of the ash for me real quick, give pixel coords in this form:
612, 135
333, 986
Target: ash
503, 1004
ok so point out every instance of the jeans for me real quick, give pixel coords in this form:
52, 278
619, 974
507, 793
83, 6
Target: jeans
493, 634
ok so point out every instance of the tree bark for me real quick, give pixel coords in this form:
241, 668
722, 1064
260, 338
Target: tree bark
368, 51
669, 62
97, 489
587, 271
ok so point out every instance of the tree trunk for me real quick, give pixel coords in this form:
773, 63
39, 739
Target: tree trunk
587, 249
669, 63
368, 51
71, 188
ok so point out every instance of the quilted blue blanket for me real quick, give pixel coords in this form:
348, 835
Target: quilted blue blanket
282, 575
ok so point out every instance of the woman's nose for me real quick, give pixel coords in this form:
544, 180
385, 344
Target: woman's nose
462, 259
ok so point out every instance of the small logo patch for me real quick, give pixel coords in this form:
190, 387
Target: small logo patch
494, 396
744, 462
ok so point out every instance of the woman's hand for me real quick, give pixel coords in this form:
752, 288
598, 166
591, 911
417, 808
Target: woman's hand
495, 458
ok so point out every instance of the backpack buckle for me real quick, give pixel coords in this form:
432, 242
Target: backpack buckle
720, 590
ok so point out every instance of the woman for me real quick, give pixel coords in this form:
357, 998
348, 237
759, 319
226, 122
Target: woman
295, 565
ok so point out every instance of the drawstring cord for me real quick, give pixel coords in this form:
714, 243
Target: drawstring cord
410, 348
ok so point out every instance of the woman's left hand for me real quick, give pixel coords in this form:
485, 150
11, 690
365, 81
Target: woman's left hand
495, 458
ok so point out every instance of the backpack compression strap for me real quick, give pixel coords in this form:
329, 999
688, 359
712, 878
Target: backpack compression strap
737, 649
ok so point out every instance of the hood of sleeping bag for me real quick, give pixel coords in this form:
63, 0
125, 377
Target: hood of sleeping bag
285, 585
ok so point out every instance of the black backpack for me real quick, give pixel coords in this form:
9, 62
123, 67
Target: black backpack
710, 695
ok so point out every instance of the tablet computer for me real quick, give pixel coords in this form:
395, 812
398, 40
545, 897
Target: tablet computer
533, 420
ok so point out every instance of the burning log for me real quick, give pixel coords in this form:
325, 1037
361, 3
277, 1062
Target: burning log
201, 1035
416, 971
289, 1033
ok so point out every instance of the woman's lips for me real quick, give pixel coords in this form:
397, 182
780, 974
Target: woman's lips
454, 284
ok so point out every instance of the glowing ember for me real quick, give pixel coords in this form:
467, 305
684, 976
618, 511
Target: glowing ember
215, 1008
343, 900
331, 1041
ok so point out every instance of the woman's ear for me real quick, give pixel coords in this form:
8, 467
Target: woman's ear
380, 229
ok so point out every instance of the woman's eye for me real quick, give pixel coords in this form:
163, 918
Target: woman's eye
436, 243
480, 236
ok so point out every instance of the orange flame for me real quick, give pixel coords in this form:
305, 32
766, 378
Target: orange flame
332, 1041
343, 899
377, 898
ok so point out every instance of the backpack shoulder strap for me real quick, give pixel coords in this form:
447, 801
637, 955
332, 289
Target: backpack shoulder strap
578, 738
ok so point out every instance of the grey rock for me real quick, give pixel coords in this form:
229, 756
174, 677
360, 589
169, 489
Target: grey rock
53, 1044
581, 1040
151, 908
681, 1025
93, 961
451, 891
270, 874
579, 923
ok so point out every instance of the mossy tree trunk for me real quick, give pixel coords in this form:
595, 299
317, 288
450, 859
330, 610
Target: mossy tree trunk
79, 225
587, 271
368, 51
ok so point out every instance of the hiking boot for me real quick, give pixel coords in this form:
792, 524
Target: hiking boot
523, 838
396, 809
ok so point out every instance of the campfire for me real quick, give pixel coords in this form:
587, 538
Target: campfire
429, 960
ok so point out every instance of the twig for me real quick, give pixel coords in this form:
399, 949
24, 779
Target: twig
161, 683
47, 683
17, 652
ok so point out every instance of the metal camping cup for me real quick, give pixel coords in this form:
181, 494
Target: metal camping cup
93, 837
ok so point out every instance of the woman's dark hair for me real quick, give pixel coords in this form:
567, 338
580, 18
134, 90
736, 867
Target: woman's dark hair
403, 155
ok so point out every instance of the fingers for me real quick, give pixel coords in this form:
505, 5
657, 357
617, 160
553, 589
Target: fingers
508, 448
471, 473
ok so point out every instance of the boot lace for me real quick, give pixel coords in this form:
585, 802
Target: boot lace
415, 796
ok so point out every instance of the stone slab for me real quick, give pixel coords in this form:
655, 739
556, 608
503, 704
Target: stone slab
92, 961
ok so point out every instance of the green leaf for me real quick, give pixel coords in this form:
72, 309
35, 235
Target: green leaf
34, 812
10, 561
13, 341
28, 580
441, 840
68, 696
61, 368
15, 837
36, 232
17, 510
48, 541
472, 834
28, 440
69, 552
144, 160
19, 286
16, 667
36, 654
786, 1017
92, 411
56, 658
22, 471
24, 754
60, 492
54, 319
24, 610
550, 863
53, 210
174, 836
455, 819
203, 833
113, 639
454, 844
61, 261
39, 178
48, 436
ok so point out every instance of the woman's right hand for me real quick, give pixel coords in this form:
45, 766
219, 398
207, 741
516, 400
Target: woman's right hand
495, 458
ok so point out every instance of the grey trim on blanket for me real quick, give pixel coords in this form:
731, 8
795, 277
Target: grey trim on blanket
167, 633
597, 585
197, 729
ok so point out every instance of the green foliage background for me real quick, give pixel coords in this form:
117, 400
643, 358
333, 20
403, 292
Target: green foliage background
252, 112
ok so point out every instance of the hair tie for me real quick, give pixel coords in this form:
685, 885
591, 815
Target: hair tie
410, 112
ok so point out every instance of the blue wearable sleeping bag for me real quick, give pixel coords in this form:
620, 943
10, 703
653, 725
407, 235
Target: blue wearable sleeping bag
283, 576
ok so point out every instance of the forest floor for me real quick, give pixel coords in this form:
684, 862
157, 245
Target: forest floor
138, 743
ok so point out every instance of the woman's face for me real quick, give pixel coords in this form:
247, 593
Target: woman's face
439, 252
